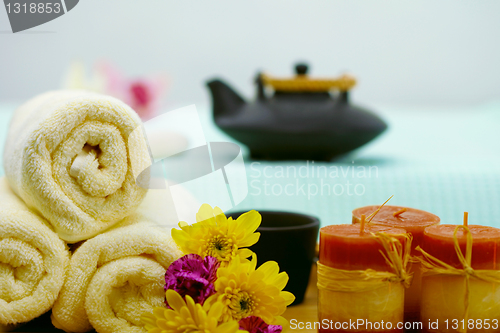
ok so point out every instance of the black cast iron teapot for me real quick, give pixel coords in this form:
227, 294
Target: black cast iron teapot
302, 118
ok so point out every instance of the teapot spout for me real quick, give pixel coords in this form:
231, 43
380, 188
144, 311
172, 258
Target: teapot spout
225, 100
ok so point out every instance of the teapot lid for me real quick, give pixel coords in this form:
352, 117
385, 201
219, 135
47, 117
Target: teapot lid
302, 83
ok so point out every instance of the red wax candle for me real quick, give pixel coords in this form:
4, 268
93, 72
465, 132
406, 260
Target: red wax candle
414, 221
438, 242
345, 247
444, 295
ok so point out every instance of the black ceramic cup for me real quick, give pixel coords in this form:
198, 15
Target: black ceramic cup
290, 240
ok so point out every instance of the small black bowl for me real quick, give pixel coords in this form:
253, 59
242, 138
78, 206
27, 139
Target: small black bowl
290, 240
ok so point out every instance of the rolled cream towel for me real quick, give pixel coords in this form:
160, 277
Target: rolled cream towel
72, 156
33, 261
117, 276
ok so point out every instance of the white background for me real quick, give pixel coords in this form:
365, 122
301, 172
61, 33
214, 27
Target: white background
403, 52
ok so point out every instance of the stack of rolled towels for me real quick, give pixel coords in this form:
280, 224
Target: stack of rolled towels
78, 236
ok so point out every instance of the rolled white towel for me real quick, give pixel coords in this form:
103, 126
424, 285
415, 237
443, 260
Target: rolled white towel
33, 261
118, 275
72, 156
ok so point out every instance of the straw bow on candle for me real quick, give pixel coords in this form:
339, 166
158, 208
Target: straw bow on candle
433, 266
395, 254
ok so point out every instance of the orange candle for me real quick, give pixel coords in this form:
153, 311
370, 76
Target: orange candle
348, 248
445, 296
414, 221
438, 242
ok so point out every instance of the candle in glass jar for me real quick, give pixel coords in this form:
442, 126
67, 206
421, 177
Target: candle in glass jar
414, 221
444, 296
346, 247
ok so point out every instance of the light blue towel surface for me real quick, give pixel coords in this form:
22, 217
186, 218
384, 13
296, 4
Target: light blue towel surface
445, 161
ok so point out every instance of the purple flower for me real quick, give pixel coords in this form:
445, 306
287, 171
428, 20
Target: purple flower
191, 275
255, 324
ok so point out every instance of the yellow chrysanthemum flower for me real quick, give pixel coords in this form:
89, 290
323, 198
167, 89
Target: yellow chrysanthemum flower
245, 291
186, 316
215, 235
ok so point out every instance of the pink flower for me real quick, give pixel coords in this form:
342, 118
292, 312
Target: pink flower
255, 324
141, 94
192, 275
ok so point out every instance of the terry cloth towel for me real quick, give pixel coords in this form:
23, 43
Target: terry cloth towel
117, 276
71, 156
33, 261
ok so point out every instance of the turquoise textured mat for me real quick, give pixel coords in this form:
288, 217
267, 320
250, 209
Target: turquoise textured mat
445, 161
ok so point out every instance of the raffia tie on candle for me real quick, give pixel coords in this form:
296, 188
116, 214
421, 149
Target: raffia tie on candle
395, 254
433, 266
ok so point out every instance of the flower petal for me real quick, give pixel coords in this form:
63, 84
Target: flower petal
229, 327
154, 330
216, 310
288, 296
269, 268
217, 211
283, 323
250, 220
245, 253
148, 319
175, 300
280, 280
253, 262
249, 240
159, 312
204, 213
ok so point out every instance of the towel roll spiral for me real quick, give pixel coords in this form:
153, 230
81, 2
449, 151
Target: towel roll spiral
73, 156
